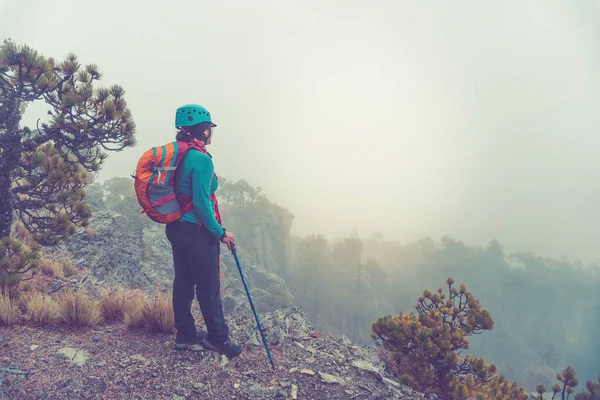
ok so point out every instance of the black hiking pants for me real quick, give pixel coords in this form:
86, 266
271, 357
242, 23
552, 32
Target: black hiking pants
196, 259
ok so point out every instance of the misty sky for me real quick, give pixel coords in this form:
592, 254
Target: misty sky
475, 119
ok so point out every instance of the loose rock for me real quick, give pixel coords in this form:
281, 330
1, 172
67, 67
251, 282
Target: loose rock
75, 356
294, 392
307, 372
327, 378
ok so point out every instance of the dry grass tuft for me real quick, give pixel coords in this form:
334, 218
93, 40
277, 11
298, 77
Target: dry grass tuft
156, 315
76, 309
9, 310
133, 312
64, 268
159, 314
69, 269
51, 268
41, 309
113, 303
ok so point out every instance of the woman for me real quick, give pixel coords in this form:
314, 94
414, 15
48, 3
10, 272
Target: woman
195, 237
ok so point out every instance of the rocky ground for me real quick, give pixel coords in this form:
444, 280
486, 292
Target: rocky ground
112, 362
115, 363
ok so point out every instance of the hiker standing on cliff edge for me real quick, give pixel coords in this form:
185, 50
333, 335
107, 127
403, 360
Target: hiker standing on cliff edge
195, 237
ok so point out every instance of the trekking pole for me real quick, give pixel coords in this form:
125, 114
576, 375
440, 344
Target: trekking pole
262, 334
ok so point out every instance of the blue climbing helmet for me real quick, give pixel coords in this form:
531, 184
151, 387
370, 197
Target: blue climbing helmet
191, 114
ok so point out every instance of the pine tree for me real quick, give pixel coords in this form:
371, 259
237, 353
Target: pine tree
555, 390
43, 172
427, 345
569, 380
541, 389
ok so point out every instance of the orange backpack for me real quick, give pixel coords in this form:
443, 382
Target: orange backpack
155, 181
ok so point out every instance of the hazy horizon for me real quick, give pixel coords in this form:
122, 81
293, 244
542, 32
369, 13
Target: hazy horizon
476, 121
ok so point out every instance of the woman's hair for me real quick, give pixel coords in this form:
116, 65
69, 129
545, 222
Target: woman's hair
186, 133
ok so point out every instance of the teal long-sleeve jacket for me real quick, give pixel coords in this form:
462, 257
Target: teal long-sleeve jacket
196, 178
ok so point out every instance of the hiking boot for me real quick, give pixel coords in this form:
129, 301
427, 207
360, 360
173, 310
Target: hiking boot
181, 345
227, 348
